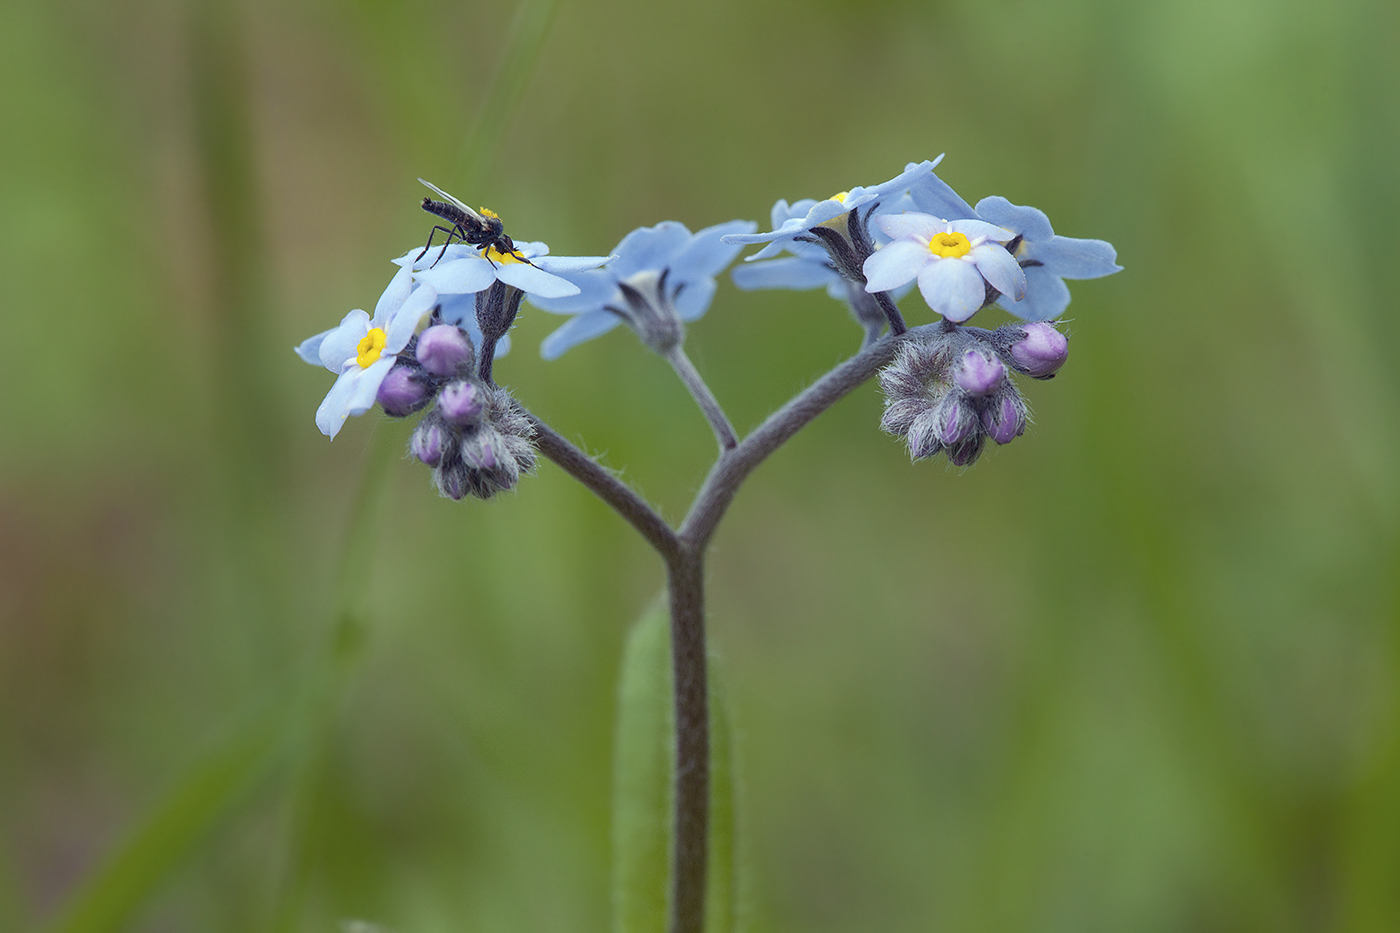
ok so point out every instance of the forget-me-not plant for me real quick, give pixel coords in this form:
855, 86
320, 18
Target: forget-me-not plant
949, 387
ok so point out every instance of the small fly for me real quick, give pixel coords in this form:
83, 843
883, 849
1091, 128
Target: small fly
484, 230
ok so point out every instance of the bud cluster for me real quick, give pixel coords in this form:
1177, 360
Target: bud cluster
473, 435
949, 390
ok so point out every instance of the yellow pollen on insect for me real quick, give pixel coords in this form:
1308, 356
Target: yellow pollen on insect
488, 213
949, 245
370, 348
495, 255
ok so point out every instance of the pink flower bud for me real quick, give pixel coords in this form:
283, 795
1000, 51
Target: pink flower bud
1042, 351
400, 394
462, 402
978, 373
443, 349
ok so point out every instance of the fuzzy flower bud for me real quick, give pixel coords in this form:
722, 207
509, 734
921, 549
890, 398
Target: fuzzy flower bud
966, 452
1004, 418
954, 420
429, 441
400, 393
1041, 351
444, 349
462, 402
979, 373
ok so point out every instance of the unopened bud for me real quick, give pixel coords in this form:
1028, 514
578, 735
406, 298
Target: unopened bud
1005, 417
923, 436
462, 402
966, 452
444, 349
979, 373
1042, 351
953, 420
400, 394
429, 442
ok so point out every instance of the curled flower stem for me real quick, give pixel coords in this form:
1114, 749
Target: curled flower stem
700, 391
683, 551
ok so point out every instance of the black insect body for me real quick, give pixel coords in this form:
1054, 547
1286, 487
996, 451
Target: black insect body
484, 231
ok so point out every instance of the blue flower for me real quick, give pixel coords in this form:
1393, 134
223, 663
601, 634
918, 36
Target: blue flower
815, 214
362, 350
658, 278
1048, 259
953, 261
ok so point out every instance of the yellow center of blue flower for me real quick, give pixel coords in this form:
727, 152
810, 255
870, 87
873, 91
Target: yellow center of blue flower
949, 245
371, 347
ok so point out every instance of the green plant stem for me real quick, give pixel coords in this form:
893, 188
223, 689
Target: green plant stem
683, 550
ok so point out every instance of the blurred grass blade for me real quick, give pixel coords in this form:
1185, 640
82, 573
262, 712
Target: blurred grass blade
642, 776
523, 46
186, 814
642, 796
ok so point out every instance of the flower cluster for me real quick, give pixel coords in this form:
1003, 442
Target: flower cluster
949, 388
963, 258
659, 279
430, 345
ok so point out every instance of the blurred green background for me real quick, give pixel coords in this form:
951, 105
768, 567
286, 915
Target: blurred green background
1137, 671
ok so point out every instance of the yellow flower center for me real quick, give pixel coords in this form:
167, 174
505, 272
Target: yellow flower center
495, 255
370, 348
949, 245
839, 221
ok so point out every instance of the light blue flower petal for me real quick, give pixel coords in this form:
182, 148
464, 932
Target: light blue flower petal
335, 408
932, 195
366, 388
1027, 221
1075, 259
568, 265
791, 227
694, 299
460, 276
975, 228
952, 287
913, 174
705, 254
409, 319
785, 272
310, 348
395, 293
343, 342
577, 330
535, 281
911, 224
597, 287
1000, 269
895, 265
649, 248
1047, 296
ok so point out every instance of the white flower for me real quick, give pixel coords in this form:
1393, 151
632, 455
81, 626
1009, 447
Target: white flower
954, 262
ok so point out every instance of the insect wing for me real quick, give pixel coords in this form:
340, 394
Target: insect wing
451, 200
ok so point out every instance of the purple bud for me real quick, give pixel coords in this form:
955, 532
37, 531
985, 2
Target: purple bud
462, 402
429, 442
443, 348
452, 481
978, 373
922, 436
954, 420
400, 394
1042, 351
965, 453
1005, 418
